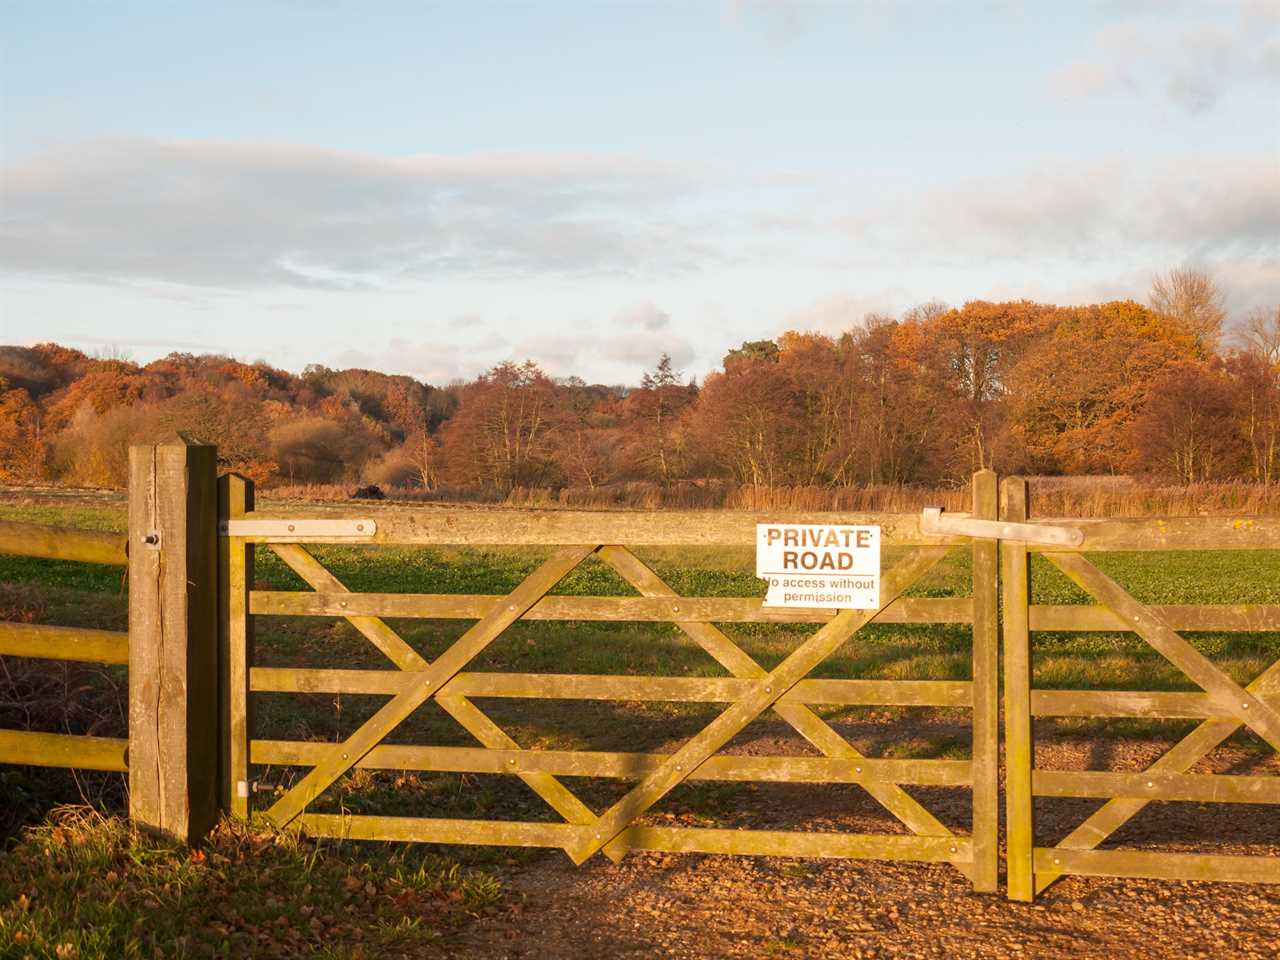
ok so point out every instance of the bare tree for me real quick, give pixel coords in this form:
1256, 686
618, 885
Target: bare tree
1192, 299
1260, 333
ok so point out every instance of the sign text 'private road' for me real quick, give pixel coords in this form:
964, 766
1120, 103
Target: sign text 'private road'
819, 565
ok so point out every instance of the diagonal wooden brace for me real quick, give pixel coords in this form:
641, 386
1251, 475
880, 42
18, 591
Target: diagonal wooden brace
802, 718
765, 693
480, 726
374, 629
1229, 696
466, 648
1192, 748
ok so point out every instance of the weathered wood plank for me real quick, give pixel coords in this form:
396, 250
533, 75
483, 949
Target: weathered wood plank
63, 643
776, 843
1112, 815
480, 726
986, 694
235, 639
807, 723
1229, 618
626, 766
343, 756
461, 525
62, 543
1158, 865
1229, 696
445, 606
568, 686
1122, 703
768, 690
1178, 533
1156, 785
1015, 576
371, 627
63, 750
174, 743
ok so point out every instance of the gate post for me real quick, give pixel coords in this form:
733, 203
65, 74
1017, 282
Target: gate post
986, 696
1015, 577
235, 643
173, 653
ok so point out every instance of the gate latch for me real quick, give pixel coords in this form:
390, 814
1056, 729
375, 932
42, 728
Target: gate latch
933, 522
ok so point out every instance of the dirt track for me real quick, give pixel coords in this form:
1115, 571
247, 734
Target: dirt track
686, 906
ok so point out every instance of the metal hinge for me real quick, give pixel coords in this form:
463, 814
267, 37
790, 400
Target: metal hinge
932, 521
287, 529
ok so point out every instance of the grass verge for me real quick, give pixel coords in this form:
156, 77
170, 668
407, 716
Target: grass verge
86, 886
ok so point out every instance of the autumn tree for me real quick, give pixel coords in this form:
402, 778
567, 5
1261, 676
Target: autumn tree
1187, 431
1190, 299
1260, 334
650, 422
502, 434
22, 448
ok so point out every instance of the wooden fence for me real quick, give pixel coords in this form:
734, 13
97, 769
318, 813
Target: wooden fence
46, 642
191, 556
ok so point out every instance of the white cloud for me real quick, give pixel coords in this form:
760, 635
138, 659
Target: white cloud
230, 215
645, 316
1204, 207
1181, 57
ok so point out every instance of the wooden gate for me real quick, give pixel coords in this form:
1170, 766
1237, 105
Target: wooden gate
749, 691
1222, 705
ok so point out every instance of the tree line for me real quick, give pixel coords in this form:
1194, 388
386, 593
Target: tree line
1154, 389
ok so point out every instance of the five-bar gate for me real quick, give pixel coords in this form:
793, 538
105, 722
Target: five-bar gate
190, 552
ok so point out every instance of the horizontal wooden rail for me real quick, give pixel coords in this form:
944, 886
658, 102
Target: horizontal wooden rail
460, 526
62, 750
63, 643
1226, 618
1156, 785
62, 543
1157, 865
587, 763
1123, 703
920, 693
446, 606
777, 843
1175, 533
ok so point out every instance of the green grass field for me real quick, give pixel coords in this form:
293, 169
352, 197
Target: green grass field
85, 595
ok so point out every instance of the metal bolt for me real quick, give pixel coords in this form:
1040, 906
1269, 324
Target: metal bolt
291, 528
1057, 862
1244, 706
597, 836
954, 850
360, 527
342, 603
1135, 619
768, 689
679, 767
511, 606
675, 608
151, 539
344, 756
857, 769
512, 761
1150, 784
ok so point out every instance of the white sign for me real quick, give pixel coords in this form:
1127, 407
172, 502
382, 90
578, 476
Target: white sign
819, 565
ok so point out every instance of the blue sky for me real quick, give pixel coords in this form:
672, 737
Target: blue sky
431, 189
